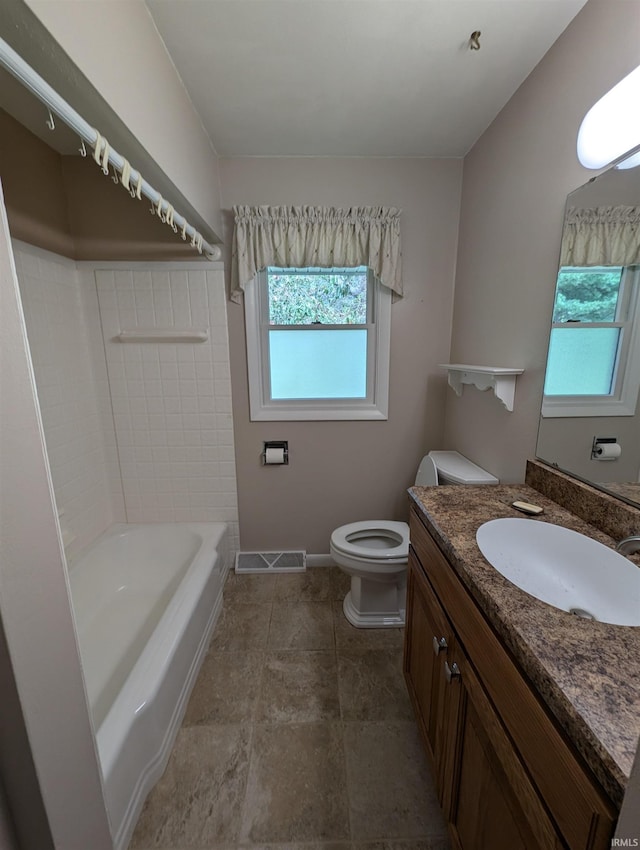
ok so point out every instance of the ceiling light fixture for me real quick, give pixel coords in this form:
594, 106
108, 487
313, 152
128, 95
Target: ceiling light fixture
611, 127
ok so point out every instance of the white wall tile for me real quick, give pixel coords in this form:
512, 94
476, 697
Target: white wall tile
171, 402
143, 434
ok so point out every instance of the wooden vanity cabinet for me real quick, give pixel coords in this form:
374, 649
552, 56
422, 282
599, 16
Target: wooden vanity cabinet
506, 775
428, 643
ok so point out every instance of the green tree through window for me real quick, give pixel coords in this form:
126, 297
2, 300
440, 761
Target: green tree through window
328, 298
587, 295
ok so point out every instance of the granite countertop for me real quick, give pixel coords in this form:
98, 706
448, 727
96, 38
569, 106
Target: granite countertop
587, 673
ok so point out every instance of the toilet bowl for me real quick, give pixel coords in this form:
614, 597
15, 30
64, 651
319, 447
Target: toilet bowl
374, 553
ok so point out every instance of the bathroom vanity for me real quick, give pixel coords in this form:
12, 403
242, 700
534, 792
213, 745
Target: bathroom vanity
530, 716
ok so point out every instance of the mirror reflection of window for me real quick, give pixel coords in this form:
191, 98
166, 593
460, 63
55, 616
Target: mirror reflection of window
586, 332
591, 339
600, 231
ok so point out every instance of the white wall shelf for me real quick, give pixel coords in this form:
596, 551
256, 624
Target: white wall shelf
501, 380
163, 335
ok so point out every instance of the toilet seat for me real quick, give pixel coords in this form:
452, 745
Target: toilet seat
388, 541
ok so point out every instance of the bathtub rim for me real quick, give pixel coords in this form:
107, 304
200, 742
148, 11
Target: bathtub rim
155, 767
128, 698
202, 580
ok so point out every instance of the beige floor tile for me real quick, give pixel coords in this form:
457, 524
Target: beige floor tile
382, 807
299, 687
348, 637
283, 666
249, 587
438, 843
372, 685
242, 627
317, 584
226, 690
305, 845
341, 584
302, 626
296, 787
198, 800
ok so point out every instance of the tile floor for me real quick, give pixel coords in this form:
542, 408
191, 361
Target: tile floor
299, 732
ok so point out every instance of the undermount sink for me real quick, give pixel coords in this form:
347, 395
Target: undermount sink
564, 568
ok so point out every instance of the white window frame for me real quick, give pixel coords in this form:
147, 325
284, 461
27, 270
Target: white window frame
374, 406
622, 401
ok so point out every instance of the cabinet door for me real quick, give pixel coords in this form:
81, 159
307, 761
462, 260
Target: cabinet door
428, 637
489, 800
582, 813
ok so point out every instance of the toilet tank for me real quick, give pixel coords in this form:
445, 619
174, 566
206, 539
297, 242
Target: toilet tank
454, 468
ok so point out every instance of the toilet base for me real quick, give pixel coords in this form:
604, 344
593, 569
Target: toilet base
375, 605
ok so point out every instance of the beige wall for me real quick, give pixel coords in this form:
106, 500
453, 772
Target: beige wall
116, 46
516, 179
107, 223
347, 471
34, 189
66, 205
567, 441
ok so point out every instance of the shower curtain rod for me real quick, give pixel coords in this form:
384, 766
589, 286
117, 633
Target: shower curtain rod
32, 81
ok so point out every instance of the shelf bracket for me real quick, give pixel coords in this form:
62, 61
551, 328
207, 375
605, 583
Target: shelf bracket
501, 380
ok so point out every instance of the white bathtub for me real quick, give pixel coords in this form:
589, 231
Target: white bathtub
146, 599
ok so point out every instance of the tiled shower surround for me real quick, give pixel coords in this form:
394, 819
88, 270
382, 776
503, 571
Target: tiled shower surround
147, 424
65, 340
171, 401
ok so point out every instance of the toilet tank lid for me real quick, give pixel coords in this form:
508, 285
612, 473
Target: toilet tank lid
455, 467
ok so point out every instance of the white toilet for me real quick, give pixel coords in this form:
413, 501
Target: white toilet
375, 552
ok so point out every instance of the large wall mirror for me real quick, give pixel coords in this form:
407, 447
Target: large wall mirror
593, 364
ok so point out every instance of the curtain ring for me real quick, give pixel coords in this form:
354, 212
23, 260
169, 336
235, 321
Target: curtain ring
105, 158
82, 149
126, 175
139, 187
51, 124
115, 176
169, 218
158, 210
97, 148
172, 222
183, 232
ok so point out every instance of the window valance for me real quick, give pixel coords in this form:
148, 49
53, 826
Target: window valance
316, 237
602, 236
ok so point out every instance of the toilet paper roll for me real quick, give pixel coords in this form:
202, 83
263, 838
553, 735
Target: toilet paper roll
607, 451
274, 455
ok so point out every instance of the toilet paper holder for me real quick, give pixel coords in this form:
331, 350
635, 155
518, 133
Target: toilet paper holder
604, 448
277, 446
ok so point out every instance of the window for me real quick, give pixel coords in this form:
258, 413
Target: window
318, 344
593, 350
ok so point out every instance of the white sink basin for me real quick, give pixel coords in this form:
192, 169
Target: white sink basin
564, 569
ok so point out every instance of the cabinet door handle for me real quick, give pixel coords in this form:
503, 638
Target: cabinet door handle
451, 673
439, 645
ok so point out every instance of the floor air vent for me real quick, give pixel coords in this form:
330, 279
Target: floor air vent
271, 562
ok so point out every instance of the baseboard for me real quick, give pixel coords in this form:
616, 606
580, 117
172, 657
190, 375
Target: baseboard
320, 561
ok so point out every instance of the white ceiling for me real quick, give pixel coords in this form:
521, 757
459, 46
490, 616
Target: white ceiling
354, 77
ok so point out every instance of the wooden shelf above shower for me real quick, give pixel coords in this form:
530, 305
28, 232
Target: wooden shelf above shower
500, 379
